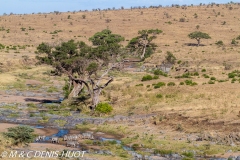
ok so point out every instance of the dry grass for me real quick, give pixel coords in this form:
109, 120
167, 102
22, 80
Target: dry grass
215, 104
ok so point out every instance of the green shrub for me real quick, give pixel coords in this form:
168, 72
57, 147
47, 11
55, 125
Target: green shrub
203, 70
211, 82
104, 108
219, 43
159, 95
205, 76
159, 72
155, 77
213, 78
21, 134
231, 75
190, 82
185, 75
171, 84
195, 74
159, 84
238, 37
147, 78
234, 42
148, 86
181, 83
139, 84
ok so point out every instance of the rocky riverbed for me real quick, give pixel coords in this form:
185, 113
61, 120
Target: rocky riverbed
29, 107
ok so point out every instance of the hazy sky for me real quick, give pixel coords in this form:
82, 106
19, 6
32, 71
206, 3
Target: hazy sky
45, 6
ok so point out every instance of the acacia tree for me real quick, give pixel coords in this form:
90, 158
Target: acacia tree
84, 65
198, 36
142, 44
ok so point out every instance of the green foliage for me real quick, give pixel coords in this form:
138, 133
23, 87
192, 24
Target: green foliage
205, 76
144, 42
159, 95
171, 84
155, 77
147, 78
159, 84
184, 75
139, 84
190, 82
203, 70
238, 37
2, 46
67, 89
235, 73
170, 58
181, 83
234, 42
211, 82
219, 43
21, 134
198, 36
213, 78
159, 72
104, 108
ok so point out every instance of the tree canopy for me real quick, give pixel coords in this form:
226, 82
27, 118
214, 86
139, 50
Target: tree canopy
84, 65
21, 134
198, 36
142, 44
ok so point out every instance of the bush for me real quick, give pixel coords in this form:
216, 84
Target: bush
181, 83
219, 43
238, 37
231, 75
139, 84
159, 95
213, 78
159, 72
190, 83
21, 134
203, 70
155, 77
171, 84
234, 42
147, 78
158, 85
104, 108
205, 76
211, 82
195, 74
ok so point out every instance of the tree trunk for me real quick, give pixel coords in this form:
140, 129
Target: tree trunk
143, 54
198, 40
77, 87
95, 97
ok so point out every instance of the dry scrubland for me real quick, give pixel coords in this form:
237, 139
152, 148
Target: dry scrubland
203, 107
